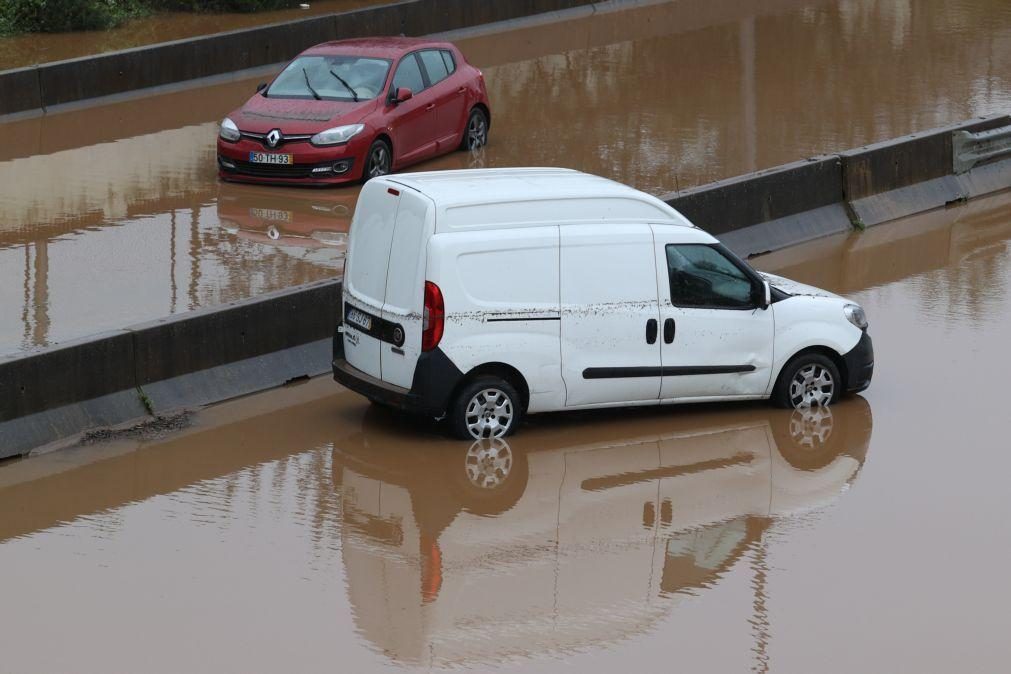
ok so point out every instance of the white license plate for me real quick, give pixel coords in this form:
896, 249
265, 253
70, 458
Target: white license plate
362, 320
271, 215
268, 158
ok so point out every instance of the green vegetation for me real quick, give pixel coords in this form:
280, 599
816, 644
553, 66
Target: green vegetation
54, 16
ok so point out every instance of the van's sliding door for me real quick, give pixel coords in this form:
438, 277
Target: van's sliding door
610, 314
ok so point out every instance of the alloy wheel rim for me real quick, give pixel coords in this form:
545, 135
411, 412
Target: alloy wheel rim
489, 414
477, 132
812, 385
488, 463
378, 162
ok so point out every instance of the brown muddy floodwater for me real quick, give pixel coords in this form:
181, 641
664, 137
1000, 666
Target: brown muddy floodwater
33, 48
113, 214
303, 530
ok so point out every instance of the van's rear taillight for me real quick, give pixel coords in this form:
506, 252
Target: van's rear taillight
434, 317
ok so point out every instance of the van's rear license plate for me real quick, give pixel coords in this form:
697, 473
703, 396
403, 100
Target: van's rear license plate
359, 318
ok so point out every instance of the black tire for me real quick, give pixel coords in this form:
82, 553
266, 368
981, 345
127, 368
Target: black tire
378, 161
475, 134
824, 390
486, 411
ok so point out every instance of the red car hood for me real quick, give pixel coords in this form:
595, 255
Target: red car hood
296, 116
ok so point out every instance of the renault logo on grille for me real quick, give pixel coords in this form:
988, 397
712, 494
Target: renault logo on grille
274, 137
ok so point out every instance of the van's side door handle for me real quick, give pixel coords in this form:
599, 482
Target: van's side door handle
668, 331
651, 331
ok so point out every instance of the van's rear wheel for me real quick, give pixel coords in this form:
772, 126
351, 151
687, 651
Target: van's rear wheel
487, 407
809, 380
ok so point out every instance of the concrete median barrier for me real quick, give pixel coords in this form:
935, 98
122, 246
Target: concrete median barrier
63, 390
180, 362
19, 91
99, 75
767, 210
219, 353
896, 178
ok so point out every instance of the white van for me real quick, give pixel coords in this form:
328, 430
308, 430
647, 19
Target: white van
484, 295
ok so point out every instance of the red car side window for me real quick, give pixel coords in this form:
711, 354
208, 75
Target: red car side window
434, 65
450, 62
409, 75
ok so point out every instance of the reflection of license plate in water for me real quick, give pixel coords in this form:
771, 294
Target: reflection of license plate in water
270, 214
267, 158
360, 319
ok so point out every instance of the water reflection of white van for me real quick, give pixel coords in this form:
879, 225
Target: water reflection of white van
459, 556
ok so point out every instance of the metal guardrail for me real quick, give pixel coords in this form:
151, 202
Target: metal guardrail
969, 149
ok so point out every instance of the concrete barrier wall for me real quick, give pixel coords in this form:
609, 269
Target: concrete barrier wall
62, 82
770, 209
767, 210
162, 366
895, 178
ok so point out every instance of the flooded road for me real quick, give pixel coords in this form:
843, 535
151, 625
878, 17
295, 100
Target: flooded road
303, 530
122, 201
34, 48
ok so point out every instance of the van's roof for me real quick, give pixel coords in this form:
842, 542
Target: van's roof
456, 190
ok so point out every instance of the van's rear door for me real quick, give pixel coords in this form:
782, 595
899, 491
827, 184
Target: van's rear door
365, 272
405, 288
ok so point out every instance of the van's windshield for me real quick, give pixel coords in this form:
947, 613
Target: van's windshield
332, 78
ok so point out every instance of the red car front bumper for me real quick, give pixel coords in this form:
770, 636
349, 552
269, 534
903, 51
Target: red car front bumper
311, 165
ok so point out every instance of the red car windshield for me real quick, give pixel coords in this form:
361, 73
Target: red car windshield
332, 78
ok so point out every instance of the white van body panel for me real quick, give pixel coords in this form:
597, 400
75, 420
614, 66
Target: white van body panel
365, 275
405, 282
496, 315
804, 321
710, 337
608, 293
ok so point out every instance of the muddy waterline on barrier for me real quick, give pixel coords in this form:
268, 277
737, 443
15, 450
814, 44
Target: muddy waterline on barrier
114, 215
303, 530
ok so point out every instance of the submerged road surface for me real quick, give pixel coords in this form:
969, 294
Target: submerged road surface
114, 215
303, 530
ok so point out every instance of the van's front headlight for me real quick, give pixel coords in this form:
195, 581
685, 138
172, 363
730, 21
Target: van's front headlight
229, 131
337, 135
855, 315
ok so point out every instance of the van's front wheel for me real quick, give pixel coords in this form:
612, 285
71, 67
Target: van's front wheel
487, 407
809, 380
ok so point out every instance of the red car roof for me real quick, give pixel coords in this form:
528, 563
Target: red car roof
389, 47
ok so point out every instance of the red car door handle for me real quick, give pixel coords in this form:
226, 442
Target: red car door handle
430, 106
461, 90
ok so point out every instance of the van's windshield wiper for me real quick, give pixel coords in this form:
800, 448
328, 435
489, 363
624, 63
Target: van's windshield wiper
354, 94
313, 91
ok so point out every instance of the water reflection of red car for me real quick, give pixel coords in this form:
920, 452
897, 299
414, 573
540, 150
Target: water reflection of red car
354, 109
289, 219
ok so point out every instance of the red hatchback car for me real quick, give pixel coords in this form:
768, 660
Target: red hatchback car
355, 109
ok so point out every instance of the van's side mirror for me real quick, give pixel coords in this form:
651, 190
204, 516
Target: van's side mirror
401, 94
261, 86
766, 294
